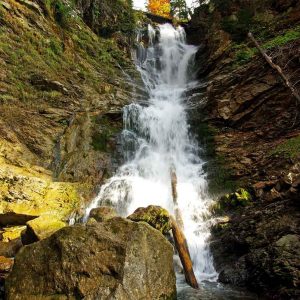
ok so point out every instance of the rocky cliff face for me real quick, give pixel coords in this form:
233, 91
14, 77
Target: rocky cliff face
62, 86
256, 125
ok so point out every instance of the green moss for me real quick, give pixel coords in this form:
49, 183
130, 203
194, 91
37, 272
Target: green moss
105, 129
218, 173
289, 148
243, 53
283, 39
99, 141
155, 216
240, 198
60, 10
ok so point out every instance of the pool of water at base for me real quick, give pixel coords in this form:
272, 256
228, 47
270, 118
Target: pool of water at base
211, 291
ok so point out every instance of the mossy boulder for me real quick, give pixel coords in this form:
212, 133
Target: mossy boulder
155, 216
41, 228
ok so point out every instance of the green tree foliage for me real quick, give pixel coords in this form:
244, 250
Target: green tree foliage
60, 10
179, 9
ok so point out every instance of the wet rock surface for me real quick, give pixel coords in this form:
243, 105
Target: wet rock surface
259, 246
115, 259
103, 213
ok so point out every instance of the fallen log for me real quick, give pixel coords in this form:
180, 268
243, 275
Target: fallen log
184, 254
275, 67
179, 238
177, 212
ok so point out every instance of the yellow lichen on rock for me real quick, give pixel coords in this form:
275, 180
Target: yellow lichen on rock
28, 189
11, 233
42, 227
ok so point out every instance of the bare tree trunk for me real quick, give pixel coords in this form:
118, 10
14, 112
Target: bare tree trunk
184, 254
275, 67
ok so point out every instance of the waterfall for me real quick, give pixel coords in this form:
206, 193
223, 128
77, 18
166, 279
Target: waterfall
156, 140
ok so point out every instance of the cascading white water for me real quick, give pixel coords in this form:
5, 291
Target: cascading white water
156, 141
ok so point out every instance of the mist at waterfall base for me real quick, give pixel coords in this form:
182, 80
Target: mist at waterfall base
156, 140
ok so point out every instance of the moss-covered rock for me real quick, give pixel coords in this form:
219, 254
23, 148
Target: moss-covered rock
27, 192
11, 233
69, 74
240, 198
155, 216
41, 228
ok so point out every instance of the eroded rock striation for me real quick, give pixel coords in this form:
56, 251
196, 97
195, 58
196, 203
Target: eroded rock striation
254, 120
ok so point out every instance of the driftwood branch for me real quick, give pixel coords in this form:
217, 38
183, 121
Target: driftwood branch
275, 67
180, 240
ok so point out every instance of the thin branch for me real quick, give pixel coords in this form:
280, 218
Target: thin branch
275, 67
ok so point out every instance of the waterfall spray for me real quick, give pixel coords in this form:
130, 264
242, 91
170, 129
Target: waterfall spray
156, 140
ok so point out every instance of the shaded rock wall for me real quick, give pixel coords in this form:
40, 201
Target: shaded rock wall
256, 133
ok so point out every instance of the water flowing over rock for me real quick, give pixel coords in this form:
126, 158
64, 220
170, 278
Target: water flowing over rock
116, 259
156, 142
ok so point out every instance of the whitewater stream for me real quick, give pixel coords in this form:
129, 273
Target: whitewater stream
156, 142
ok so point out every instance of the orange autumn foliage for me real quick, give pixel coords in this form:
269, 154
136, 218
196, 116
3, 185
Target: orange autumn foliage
160, 7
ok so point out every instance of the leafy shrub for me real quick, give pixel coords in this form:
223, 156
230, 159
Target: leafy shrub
240, 198
245, 55
59, 10
281, 40
238, 27
290, 148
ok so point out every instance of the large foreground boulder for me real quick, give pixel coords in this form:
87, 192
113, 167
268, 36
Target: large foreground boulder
115, 259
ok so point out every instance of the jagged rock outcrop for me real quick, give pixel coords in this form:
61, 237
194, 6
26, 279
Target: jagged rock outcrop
259, 246
115, 259
255, 122
62, 87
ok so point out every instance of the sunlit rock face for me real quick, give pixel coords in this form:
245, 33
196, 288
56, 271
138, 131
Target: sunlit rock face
115, 259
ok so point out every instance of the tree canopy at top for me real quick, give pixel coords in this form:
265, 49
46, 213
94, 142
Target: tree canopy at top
160, 7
